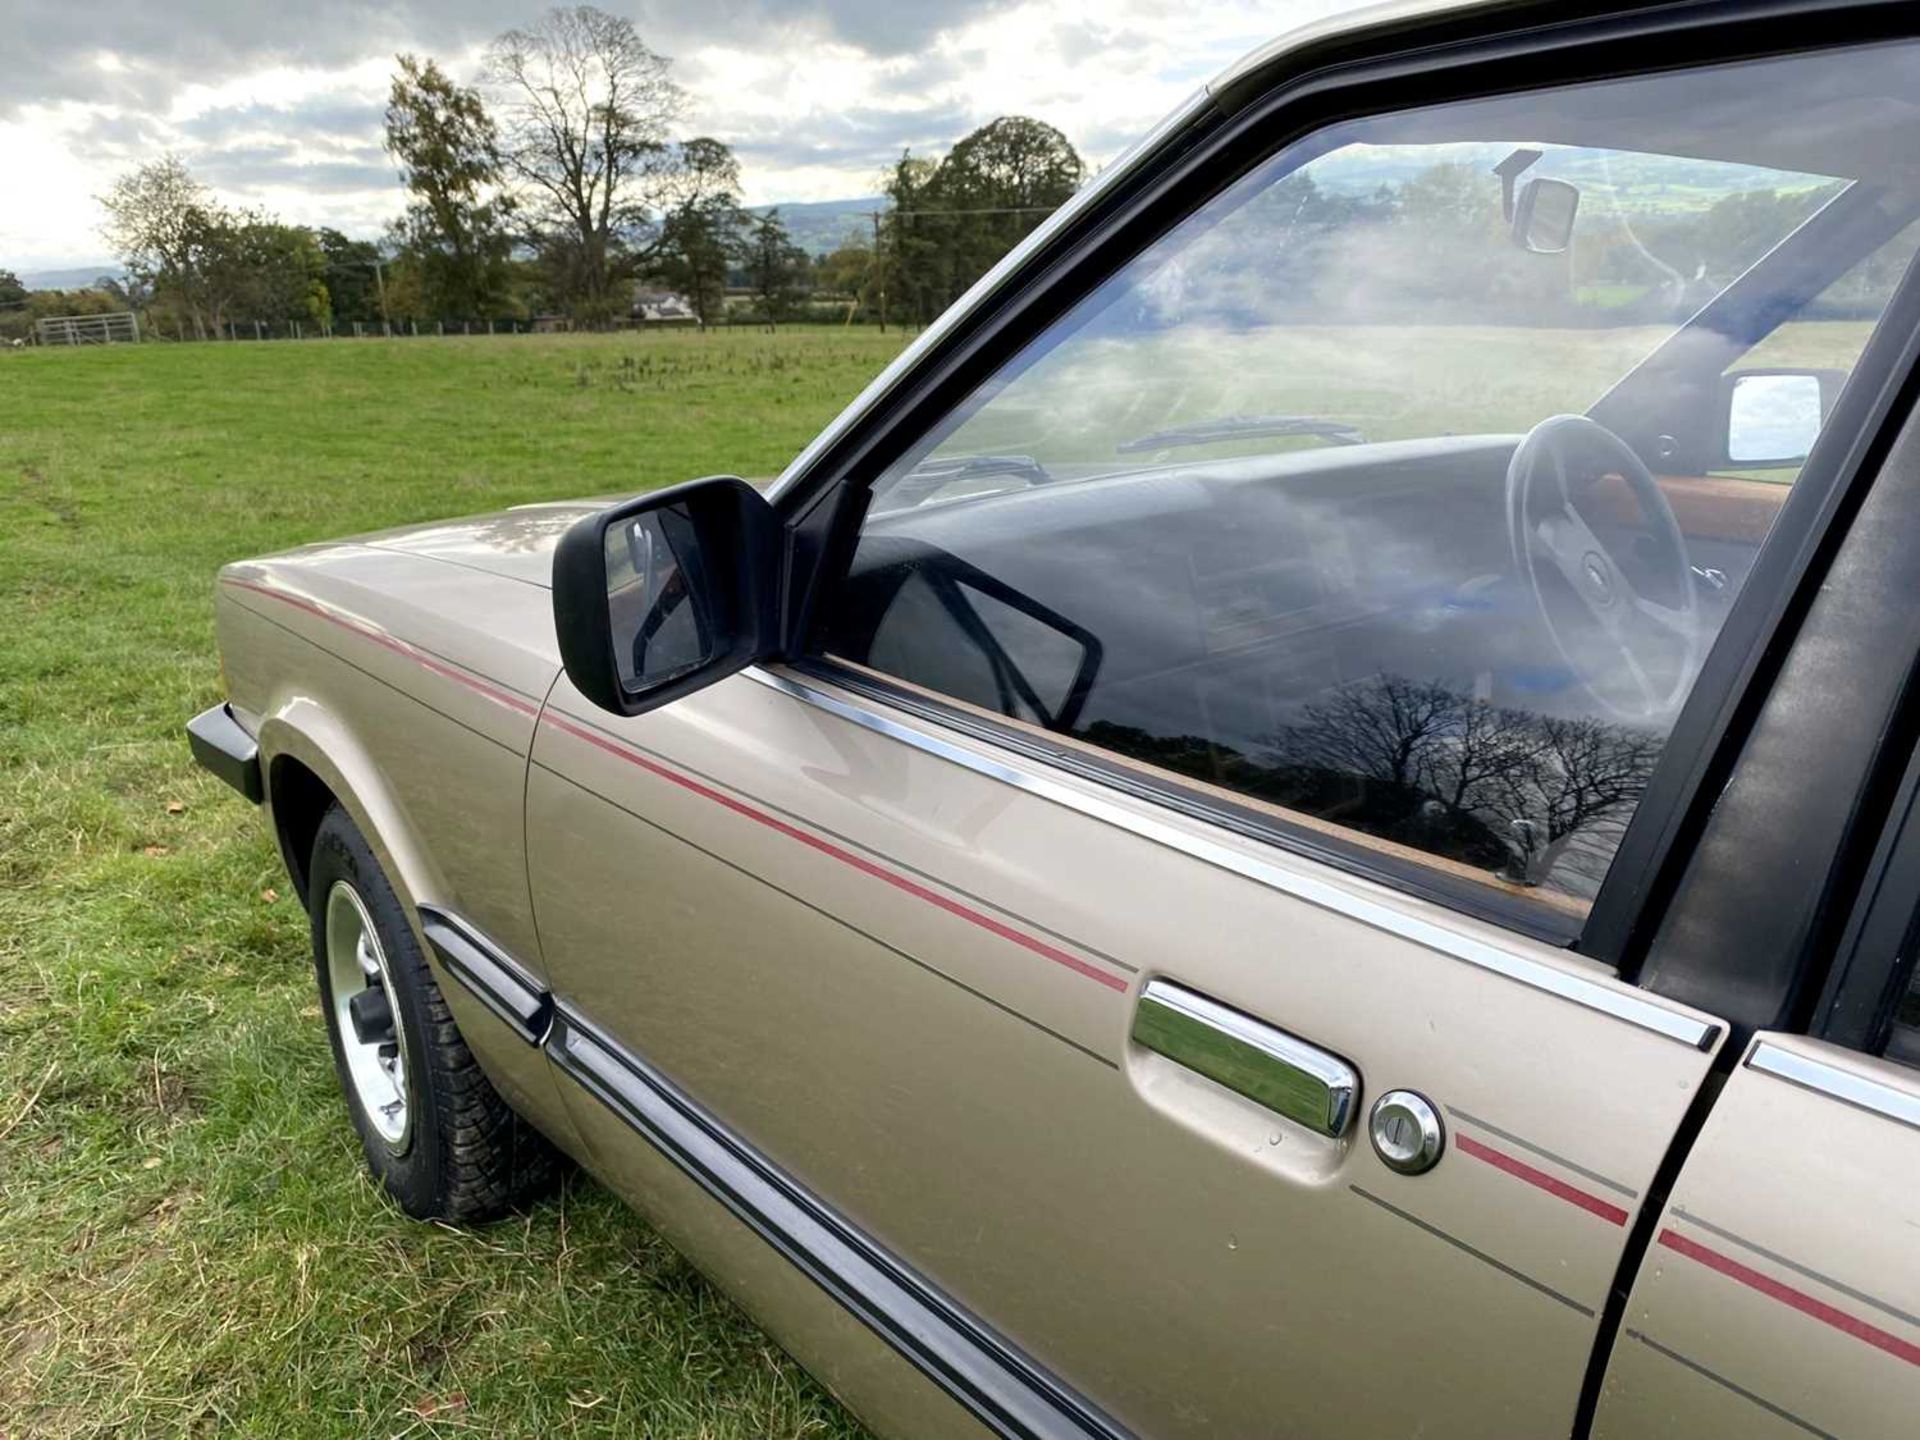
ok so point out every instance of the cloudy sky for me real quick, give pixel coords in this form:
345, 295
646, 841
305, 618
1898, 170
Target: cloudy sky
280, 106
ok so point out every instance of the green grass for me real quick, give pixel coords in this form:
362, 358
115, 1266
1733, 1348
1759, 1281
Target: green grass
188, 1240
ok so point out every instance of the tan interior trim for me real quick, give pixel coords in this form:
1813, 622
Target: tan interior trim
1707, 507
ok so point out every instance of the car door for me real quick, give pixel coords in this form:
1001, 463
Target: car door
1782, 1292
1147, 913
1782, 1295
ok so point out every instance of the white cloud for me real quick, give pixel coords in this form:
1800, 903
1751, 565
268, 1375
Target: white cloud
814, 113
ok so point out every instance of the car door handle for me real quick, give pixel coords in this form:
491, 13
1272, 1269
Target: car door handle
1248, 1056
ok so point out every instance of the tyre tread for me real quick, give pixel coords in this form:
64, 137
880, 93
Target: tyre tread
487, 1159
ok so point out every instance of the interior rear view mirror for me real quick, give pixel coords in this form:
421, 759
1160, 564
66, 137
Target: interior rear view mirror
1543, 216
1774, 416
660, 596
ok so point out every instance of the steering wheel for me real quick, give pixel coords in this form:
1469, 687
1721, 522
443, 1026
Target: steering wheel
1634, 653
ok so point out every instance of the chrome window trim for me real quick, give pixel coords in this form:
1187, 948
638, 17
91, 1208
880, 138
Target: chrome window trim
1327, 27
1621, 1004
1825, 1078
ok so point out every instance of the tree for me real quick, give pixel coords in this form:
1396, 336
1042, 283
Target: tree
12, 292
845, 271
160, 221
951, 222
776, 267
698, 242
278, 273
352, 279
1016, 164
446, 145
911, 240
587, 111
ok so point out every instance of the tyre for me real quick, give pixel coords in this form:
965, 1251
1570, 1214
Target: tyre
435, 1132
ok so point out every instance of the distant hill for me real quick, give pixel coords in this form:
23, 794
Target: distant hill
78, 278
819, 226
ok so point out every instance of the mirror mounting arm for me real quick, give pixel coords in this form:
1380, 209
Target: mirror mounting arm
1510, 170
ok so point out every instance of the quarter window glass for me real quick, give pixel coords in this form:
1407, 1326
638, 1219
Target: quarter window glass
1395, 492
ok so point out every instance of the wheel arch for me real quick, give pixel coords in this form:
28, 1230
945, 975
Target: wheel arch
313, 760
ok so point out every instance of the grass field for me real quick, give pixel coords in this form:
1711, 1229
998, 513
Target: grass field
188, 1242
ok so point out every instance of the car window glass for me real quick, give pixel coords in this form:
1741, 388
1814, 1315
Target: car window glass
1394, 495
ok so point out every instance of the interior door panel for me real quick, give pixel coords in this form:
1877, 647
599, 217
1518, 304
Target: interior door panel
910, 978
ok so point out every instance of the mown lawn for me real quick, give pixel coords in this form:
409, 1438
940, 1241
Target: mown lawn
188, 1240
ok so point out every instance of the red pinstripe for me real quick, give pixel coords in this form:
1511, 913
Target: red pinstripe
399, 647
1796, 1299
845, 857
1552, 1184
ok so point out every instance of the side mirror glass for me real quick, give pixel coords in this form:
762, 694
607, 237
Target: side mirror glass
658, 599
660, 596
1774, 416
1543, 216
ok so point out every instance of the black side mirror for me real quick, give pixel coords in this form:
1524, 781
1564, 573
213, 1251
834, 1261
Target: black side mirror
1543, 216
661, 596
1770, 418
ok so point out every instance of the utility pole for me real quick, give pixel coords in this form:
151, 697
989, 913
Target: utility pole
380, 284
880, 264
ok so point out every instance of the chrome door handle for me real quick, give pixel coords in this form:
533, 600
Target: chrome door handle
1248, 1056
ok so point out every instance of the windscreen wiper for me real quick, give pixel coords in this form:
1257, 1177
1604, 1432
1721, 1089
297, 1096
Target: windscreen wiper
930, 475
1242, 427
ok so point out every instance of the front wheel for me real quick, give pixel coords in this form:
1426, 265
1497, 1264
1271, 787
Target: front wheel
435, 1132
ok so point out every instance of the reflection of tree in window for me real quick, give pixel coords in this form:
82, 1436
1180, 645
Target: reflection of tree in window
1426, 766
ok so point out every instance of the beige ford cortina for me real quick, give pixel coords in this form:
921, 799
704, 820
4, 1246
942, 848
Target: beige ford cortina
1301, 823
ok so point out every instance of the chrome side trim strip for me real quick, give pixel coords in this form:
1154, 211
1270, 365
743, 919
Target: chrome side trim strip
1010, 1395
1620, 1004
1860, 1091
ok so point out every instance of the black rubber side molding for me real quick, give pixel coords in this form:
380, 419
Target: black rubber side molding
1000, 1387
220, 744
1008, 1393
493, 976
